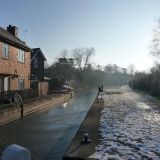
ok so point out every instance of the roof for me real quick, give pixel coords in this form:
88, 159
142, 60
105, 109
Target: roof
36, 51
7, 37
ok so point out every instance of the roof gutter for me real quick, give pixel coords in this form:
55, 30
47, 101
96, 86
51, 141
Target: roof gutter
15, 44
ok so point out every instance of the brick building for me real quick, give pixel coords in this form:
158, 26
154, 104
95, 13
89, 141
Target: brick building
15, 57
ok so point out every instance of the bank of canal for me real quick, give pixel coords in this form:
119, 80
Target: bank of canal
128, 128
47, 134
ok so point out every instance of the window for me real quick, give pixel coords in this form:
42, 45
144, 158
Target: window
35, 77
35, 63
1, 84
20, 84
21, 55
5, 50
6, 83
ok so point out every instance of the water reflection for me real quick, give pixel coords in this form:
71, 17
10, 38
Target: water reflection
47, 133
64, 105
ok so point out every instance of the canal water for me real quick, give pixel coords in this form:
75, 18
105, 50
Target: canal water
48, 133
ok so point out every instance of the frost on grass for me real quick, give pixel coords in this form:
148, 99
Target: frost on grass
129, 129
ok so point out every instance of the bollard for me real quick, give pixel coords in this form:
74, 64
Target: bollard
86, 139
21, 106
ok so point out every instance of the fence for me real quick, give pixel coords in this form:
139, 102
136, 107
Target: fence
25, 94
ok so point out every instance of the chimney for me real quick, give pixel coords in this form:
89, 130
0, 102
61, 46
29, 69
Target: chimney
13, 30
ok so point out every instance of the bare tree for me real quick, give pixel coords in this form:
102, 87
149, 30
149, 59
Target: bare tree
99, 68
82, 57
64, 53
108, 68
155, 46
46, 65
131, 69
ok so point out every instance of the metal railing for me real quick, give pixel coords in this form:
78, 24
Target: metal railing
25, 94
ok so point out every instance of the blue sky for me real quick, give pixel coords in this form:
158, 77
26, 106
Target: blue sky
119, 30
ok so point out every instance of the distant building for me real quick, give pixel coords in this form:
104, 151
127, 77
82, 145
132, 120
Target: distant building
14, 61
37, 65
113, 68
37, 71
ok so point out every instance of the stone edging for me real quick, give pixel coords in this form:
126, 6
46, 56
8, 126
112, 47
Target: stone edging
14, 113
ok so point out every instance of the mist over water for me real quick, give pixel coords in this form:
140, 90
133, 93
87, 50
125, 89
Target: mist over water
48, 133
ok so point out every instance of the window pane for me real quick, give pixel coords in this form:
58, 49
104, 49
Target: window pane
5, 50
35, 63
20, 84
21, 56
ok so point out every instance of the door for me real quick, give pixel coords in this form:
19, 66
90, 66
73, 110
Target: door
6, 83
1, 84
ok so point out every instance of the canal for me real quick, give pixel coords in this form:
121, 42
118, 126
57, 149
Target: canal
48, 133
129, 126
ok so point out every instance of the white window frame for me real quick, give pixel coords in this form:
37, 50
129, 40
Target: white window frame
5, 50
21, 84
21, 56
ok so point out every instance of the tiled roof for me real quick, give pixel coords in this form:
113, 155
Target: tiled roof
7, 37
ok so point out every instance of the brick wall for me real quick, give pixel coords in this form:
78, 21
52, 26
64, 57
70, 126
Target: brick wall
12, 66
10, 114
